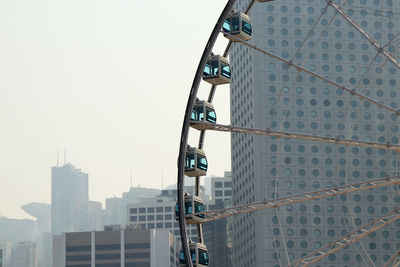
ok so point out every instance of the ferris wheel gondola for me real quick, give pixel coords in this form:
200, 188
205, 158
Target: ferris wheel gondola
200, 115
199, 255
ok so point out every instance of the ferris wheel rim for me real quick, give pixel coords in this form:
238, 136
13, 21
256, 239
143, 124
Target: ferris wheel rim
186, 125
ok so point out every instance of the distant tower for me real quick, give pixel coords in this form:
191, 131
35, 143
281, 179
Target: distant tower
69, 198
24, 254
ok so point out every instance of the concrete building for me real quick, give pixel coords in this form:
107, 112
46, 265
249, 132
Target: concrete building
159, 213
45, 249
24, 254
116, 247
221, 188
217, 234
265, 93
5, 255
17, 230
42, 213
69, 198
116, 212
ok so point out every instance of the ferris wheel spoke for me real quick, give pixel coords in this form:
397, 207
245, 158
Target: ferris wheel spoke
364, 33
394, 260
213, 215
319, 76
348, 239
201, 125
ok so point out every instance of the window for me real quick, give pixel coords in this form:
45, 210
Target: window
218, 193
134, 210
218, 184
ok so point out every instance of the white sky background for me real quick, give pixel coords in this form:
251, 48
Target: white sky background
106, 79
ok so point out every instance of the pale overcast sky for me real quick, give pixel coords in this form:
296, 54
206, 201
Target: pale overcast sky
108, 81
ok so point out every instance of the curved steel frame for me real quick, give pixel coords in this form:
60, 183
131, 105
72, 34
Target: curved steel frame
185, 131
186, 122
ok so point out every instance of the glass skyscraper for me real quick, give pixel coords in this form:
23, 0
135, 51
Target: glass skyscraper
266, 93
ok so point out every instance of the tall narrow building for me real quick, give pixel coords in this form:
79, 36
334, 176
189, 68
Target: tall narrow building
266, 93
24, 254
69, 198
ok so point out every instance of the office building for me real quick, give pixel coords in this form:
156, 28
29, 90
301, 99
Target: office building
17, 230
69, 198
5, 254
159, 213
24, 254
42, 213
116, 247
116, 206
217, 234
221, 188
266, 93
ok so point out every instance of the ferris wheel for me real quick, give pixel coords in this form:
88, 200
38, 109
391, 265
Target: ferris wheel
325, 128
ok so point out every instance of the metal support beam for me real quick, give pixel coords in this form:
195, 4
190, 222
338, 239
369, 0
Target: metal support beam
394, 261
291, 135
364, 33
348, 239
213, 215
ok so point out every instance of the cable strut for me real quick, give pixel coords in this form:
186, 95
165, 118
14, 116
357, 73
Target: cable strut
364, 33
348, 239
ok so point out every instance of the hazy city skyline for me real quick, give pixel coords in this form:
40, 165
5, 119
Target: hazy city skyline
85, 76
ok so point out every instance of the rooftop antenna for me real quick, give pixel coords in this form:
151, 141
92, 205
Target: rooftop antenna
58, 157
131, 176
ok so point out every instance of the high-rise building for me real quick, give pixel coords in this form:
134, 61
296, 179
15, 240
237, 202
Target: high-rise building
117, 247
17, 230
42, 213
217, 234
24, 254
69, 198
266, 93
221, 188
116, 206
5, 254
159, 213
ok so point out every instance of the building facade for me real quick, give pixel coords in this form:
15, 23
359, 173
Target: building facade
116, 247
24, 254
158, 213
5, 254
116, 212
69, 198
266, 93
217, 234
